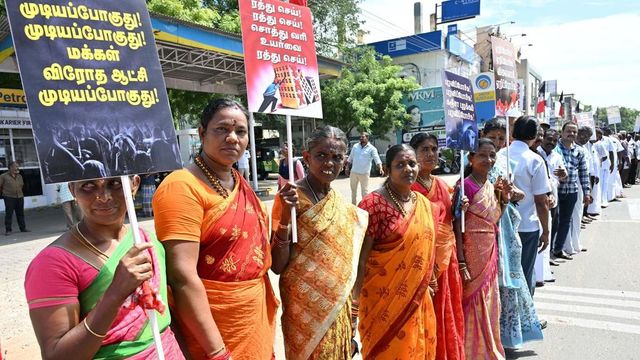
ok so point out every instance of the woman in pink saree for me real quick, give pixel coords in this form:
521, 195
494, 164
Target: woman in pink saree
479, 260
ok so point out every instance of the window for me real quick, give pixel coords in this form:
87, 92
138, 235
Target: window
25, 147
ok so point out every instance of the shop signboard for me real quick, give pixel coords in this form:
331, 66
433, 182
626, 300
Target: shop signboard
280, 58
13, 98
94, 87
454, 10
410, 45
427, 114
459, 112
484, 96
504, 65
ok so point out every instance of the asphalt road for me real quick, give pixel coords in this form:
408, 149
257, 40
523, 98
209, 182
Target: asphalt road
593, 308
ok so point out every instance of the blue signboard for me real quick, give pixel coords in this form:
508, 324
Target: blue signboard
453, 10
409, 45
460, 48
452, 29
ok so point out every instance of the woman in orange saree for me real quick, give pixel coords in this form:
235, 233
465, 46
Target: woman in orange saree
394, 286
448, 299
479, 260
215, 232
318, 272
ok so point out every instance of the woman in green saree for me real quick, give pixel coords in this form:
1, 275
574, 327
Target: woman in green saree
84, 290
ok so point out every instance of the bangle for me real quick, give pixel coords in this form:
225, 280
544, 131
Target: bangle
216, 352
224, 355
86, 326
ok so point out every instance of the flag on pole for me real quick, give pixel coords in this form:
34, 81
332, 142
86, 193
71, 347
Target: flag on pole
561, 105
542, 102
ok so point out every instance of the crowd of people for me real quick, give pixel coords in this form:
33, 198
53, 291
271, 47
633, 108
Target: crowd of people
417, 270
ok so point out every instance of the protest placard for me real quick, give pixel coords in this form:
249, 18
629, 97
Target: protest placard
459, 112
94, 87
506, 74
280, 58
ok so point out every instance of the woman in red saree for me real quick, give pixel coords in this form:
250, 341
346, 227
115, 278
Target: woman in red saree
318, 272
448, 299
215, 232
79, 287
479, 258
394, 284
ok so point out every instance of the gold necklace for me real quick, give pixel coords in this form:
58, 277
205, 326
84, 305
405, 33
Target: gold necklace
213, 180
86, 243
423, 182
395, 200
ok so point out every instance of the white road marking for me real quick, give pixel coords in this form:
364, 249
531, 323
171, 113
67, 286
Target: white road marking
634, 208
592, 324
588, 300
591, 310
586, 291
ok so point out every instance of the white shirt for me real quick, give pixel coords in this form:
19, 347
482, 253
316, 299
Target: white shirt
530, 176
361, 157
554, 161
243, 163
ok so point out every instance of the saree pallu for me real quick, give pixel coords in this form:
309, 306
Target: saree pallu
234, 258
397, 319
316, 285
130, 335
447, 302
481, 297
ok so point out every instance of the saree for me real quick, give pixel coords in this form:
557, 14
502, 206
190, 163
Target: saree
481, 297
396, 317
518, 319
447, 302
316, 285
233, 261
130, 336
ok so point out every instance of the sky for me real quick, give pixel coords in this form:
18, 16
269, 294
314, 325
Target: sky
591, 47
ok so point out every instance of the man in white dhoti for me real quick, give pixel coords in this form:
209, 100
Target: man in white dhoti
606, 168
599, 156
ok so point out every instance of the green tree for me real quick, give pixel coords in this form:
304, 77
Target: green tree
368, 94
336, 24
627, 115
196, 11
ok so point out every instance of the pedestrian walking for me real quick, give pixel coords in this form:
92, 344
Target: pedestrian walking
328, 227
11, 186
359, 166
243, 165
395, 281
72, 213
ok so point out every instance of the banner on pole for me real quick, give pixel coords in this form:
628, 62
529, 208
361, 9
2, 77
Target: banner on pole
587, 119
280, 59
636, 128
613, 115
94, 87
504, 66
484, 96
459, 112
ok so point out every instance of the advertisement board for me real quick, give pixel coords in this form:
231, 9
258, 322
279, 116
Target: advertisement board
460, 48
410, 45
459, 112
13, 98
280, 59
453, 10
504, 67
427, 114
484, 95
94, 87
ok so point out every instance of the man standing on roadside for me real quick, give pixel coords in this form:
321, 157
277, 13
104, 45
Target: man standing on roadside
11, 185
578, 172
530, 176
359, 166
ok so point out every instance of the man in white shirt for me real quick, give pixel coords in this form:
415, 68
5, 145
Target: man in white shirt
530, 176
557, 173
359, 166
599, 156
243, 164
